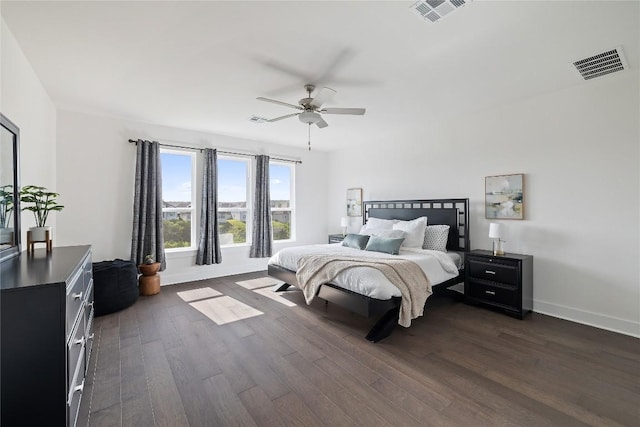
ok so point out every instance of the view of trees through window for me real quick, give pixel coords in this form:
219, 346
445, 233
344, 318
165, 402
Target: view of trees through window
177, 204
233, 199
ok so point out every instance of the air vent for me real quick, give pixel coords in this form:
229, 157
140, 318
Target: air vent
601, 64
256, 119
434, 10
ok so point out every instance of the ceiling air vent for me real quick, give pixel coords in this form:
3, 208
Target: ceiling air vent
601, 64
434, 10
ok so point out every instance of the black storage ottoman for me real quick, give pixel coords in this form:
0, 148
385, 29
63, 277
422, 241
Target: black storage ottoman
115, 285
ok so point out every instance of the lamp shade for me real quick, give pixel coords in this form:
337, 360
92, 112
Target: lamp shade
495, 230
344, 221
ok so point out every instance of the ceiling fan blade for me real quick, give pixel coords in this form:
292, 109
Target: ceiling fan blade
323, 96
273, 101
321, 123
282, 117
353, 111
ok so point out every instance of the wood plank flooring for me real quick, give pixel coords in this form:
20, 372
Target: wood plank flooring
163, 362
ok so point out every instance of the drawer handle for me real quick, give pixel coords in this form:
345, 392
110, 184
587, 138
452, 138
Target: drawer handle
78, 388
77, 296
79, 342
490, 272
490, 292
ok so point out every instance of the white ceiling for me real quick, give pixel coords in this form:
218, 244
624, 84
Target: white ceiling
201, 65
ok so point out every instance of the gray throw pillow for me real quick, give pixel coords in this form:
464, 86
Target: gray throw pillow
436, 237
384, 244
355, 241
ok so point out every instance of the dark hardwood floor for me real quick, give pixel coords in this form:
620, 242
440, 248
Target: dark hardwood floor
165, 362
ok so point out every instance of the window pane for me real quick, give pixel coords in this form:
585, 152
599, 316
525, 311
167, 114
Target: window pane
281, 222
176, 194
232, 183
280, 191
177, 231
280, 185
232, 200
232, 227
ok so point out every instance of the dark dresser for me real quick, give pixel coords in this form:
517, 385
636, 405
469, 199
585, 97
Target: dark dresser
504, 281
46, 326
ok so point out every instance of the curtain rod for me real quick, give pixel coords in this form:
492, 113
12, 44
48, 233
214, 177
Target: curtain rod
133, 141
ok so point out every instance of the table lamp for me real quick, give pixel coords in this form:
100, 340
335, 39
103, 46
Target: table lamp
496, 232
344, 223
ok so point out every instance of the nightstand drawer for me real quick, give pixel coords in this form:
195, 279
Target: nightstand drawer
493, 294
503, 271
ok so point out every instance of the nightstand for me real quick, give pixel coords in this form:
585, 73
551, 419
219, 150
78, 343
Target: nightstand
504, 281
336, 238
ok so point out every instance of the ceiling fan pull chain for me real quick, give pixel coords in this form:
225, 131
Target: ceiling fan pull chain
309, 140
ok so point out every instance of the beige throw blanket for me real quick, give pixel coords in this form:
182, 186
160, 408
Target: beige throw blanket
407, 276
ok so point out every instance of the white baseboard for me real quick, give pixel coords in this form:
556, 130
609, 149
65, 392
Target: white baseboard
192, 276
597, 320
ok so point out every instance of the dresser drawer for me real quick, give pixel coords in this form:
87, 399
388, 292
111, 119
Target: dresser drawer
75, 395
502, 271
493, 294
75, 350
75, 298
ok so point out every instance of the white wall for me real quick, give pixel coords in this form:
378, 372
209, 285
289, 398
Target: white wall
578, 149
25, 102
96, 167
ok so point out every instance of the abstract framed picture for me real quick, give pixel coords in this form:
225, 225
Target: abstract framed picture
504, 196
354, 202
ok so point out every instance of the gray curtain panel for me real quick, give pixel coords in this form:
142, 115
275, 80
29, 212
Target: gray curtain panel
208, 242
262, 234
147, 237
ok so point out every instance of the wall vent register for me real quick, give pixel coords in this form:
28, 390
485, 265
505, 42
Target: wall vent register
604, 63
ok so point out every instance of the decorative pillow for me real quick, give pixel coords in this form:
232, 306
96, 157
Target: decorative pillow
436, 237
355, 241
414, 231
381, 232
384, 244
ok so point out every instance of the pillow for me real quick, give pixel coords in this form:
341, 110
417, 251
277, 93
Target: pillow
355, 241
377, 223
381, 232
435, 237
414, 231
384, 244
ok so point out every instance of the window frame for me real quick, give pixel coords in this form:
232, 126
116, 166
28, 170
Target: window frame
194, 202
249, 194
292, 203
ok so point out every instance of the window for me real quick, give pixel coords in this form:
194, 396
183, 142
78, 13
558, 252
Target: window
233, 194
178, 207
282, 206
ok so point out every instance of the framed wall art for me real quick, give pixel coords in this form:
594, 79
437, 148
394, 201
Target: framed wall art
354, 202
504, 196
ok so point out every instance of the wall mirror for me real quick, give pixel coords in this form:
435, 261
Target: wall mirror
9, 189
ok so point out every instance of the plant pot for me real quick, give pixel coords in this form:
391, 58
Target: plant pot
39, 234
6, 235
149, 269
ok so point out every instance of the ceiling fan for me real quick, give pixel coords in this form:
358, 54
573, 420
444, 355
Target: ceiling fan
310, 108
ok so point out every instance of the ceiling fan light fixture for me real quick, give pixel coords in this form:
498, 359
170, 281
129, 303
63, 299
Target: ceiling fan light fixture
309, 117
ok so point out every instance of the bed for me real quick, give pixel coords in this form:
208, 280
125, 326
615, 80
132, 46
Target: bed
371, 296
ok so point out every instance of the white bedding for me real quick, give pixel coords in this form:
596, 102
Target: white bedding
438, 266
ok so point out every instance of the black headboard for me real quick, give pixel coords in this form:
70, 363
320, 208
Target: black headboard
451, 212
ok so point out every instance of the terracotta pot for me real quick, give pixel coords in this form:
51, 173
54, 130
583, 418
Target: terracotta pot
149, 269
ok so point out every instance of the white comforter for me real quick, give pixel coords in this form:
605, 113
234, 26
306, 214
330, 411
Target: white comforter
438, 266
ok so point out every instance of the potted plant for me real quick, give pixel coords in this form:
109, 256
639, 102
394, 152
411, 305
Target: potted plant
40, 201
150, 266
6, 207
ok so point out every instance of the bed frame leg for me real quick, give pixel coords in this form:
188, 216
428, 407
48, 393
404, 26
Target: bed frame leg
281, 288
385, 326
